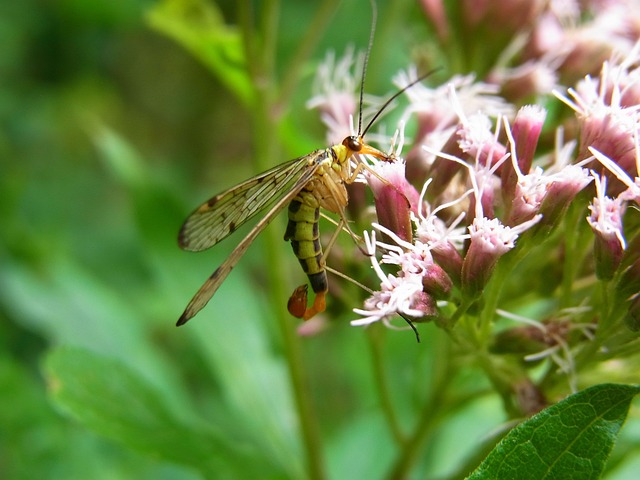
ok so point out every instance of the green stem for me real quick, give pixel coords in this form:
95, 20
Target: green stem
267, 153
307, 45
575, 247
606, 318
432, 410
269, 30
447, 323
375, 344
631, 347
494, 288
291, 341
245, 16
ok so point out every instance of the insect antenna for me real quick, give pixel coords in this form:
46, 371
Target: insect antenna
393, 97
413, 327
374, 18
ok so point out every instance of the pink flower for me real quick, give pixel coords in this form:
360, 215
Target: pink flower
534, 77
524, 136
548, 192
490, 239
402, 294
582, 37
432, 106
530, 191
632, 193
476, 137
606, 223
562, 187
478, 141
394, 196
335, 96
609, 122
437, 123
416, 259
444, 241
548, 33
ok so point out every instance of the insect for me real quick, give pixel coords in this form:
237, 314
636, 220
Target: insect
306, 184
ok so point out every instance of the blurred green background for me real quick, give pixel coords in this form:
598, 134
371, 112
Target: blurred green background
111, 133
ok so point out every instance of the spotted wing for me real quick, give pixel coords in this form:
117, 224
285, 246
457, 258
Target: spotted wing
223, 214
211, 285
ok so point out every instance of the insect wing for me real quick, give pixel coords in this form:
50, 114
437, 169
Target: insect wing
209, 288
222, 214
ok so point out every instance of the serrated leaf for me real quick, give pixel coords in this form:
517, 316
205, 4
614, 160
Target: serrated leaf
569, 440
199, 27
115, 401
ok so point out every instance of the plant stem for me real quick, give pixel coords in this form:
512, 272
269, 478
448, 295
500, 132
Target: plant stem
267, 153
431, 411
375, 344
291, 341
306, 46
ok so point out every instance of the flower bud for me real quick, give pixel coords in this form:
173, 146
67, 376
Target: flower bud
426, 304
500, 16
524, 82
394, 198
529, 192
477, 268
562, 189
520, 341
489, 241
436, 282
609, 135
488, 183
607, 251
448, 257
526, 132
529, 397
585, 53
606, 222
485, 248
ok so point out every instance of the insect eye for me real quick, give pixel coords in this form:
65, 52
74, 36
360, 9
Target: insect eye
352, 143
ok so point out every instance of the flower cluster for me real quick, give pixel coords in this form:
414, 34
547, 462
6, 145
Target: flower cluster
500, 168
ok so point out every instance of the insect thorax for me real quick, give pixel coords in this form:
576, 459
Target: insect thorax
328, 185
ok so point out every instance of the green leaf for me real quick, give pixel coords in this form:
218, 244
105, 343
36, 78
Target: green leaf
569, 440
115, 401
74, 307
36, 442
199, 27
232, 339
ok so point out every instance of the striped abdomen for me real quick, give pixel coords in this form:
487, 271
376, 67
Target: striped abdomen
302, 231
